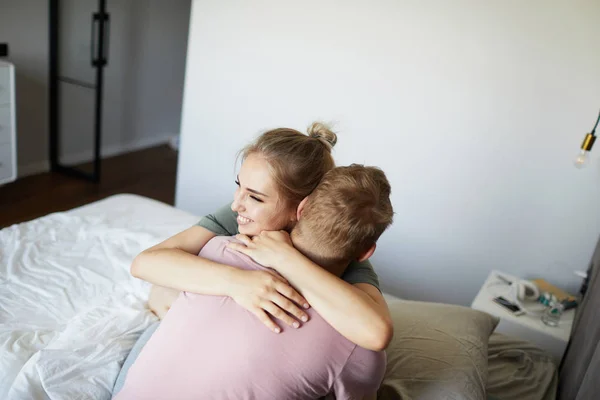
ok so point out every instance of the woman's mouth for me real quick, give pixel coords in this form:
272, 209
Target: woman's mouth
243, 220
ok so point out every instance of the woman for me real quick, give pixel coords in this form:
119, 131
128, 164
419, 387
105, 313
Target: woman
279, 170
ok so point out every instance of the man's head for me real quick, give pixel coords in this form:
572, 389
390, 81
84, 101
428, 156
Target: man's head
343, 217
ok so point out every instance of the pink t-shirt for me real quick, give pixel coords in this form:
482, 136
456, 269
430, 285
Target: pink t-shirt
209, 347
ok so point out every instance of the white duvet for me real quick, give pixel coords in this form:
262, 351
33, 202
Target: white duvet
69, 309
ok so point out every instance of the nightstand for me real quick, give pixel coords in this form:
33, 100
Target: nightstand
528, 327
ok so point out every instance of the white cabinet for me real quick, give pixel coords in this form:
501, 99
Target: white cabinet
8, 126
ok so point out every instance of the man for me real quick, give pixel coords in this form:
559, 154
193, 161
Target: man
208, 347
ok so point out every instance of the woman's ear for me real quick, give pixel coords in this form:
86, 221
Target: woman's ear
301, 208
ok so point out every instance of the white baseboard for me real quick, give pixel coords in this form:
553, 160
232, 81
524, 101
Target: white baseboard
107, 151
117, 149
174, 142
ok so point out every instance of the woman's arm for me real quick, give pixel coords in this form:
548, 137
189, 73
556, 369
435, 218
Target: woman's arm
166, 288
359, 312
174, 264
189, 242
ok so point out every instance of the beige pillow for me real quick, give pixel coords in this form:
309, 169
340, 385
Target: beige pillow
439, 351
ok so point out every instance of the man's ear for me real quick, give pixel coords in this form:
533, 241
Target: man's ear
367, 253
301, 208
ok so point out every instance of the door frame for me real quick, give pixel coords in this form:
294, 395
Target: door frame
100, 30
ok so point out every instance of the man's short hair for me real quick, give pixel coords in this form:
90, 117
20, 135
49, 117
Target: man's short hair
347, 212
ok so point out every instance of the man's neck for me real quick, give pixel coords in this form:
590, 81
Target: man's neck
305, 247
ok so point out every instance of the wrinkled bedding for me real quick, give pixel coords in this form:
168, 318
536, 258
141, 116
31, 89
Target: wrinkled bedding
69, 309
517, 370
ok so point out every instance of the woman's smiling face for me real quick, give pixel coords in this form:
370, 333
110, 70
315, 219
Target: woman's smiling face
257, 201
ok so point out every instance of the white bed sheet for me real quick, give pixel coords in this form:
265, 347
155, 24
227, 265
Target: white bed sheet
69, 309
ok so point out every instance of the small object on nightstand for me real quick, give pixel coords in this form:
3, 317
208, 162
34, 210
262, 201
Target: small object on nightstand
546, 287
530, 327
569, 304
508, 306
552, 315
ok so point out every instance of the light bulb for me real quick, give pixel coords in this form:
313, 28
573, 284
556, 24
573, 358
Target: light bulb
582, 159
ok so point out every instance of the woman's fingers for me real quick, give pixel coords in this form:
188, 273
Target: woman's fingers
277, 279
244, 239
265, 291
288, 291
265, 319
280, 314
240, 248
287, 305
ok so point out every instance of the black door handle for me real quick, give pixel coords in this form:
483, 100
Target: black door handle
94, 51
100, 23
106, 22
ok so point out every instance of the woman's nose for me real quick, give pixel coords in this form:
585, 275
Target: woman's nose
237, 204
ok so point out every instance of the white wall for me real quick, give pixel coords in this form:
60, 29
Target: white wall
474, 109
143, 80
143, 84
155, 68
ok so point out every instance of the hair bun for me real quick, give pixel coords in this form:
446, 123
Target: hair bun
321, 131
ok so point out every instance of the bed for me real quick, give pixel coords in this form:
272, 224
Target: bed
69, 309
70, 312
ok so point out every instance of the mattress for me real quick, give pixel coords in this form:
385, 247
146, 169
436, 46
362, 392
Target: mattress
69, 309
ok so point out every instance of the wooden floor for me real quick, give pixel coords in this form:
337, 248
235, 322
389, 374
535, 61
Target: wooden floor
150, 172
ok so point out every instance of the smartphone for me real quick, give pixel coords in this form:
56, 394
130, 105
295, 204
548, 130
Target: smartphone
508, 306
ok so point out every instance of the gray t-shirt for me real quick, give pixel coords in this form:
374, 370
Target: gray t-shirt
224, 223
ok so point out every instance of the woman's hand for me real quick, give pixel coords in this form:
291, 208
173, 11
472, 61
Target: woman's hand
262, 292
270, 248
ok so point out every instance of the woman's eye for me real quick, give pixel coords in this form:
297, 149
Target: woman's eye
257, 199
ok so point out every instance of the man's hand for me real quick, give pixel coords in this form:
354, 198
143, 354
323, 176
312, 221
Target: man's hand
262, 292
270, 249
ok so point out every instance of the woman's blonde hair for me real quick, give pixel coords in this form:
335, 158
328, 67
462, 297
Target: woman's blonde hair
297, 162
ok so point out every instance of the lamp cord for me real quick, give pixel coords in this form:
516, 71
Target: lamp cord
598, 120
